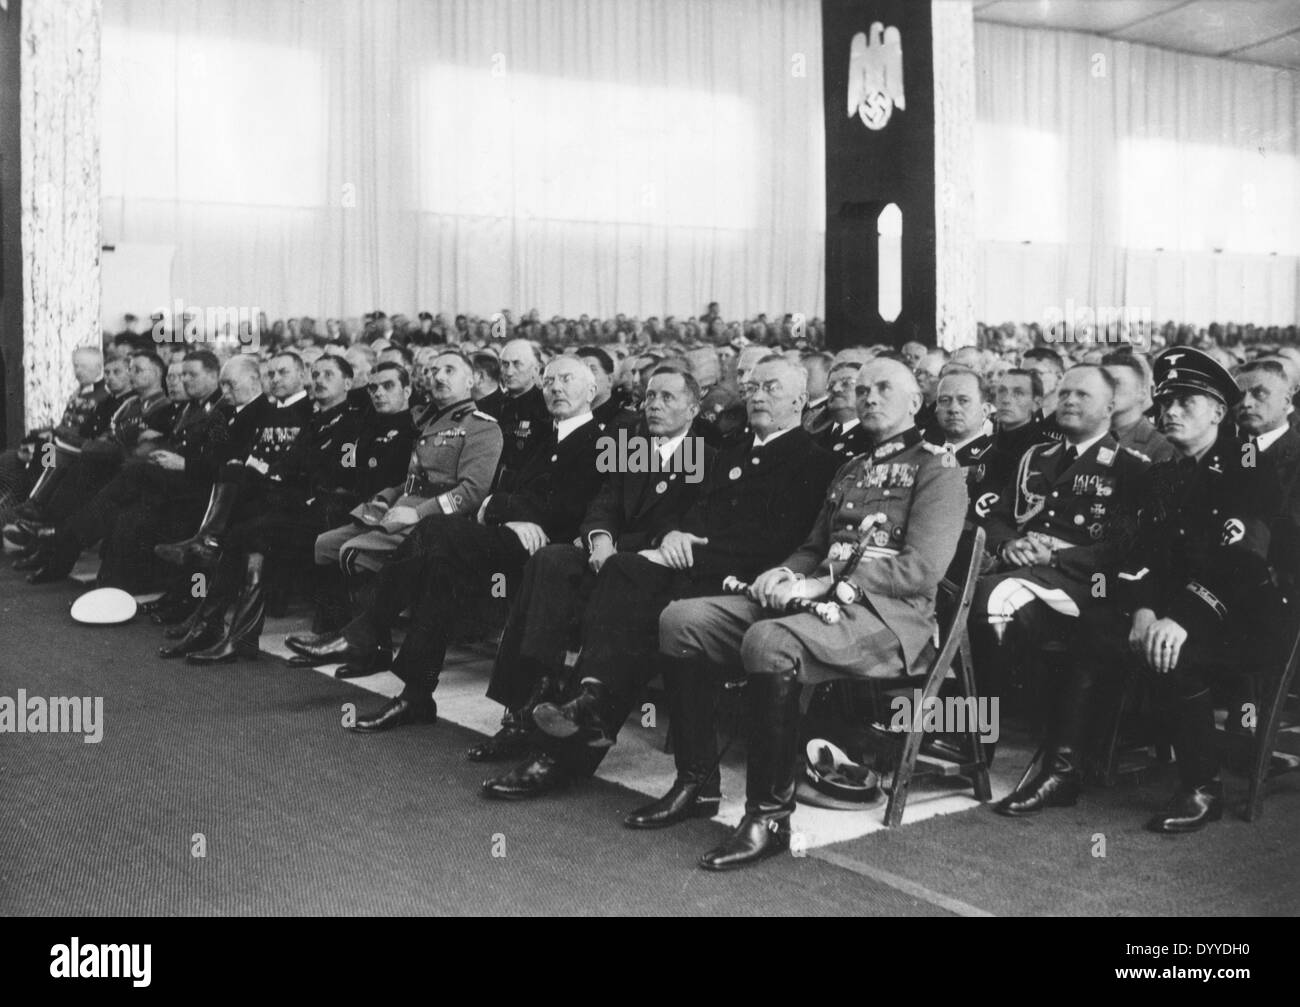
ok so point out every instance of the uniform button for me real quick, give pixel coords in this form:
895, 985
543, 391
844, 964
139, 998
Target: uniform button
555, 458
848, 506
886, 493
1055, 493
1051, 513
753, 461
1078, 519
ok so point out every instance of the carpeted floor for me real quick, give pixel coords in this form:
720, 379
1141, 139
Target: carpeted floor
298, 816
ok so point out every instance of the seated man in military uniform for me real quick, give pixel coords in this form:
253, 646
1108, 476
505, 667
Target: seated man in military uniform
1196, 599
450, 471
962, 411
1059, 524
447, 561
898, 512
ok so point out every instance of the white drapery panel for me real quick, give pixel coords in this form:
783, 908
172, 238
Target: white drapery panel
326, 157
1112, 174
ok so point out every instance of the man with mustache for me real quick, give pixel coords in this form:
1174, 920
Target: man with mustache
447, 561
450, 471
842, 433
757, 504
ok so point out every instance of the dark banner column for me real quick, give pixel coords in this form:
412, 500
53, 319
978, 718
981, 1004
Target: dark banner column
11, 246
899, 146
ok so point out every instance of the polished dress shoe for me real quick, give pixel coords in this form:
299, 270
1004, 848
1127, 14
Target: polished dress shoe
756, 838
381, 659
581, 715
686, 799
540, 775
296, 641
511, 742
396, 713
1190, 810
333, 649
1057, 785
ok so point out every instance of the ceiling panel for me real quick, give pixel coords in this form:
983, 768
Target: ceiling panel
1261, 31
1098, 16
1217, 26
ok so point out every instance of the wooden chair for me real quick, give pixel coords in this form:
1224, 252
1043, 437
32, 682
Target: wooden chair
1266, 762
951, 658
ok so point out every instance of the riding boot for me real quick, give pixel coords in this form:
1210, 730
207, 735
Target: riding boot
773, 709
42, 493
245, 632
204, 628
206, 541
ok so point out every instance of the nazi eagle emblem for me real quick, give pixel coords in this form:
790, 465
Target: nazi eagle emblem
876, 75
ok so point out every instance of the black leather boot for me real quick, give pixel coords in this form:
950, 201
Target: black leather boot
692, 691
33, 508
242, 639
585, 715
773, 706
205, 628
59, 555
1199, 798
204, 543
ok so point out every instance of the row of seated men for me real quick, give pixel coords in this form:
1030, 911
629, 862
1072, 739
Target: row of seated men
624, 563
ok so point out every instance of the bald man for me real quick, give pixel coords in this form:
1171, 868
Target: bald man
758, 501
901, 509
449, 561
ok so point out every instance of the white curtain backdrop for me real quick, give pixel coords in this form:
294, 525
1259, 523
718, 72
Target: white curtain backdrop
647, 156
1113, 175
326, 157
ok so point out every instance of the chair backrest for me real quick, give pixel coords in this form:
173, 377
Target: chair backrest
952, 606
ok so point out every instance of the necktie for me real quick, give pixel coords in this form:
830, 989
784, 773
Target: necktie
1070, 457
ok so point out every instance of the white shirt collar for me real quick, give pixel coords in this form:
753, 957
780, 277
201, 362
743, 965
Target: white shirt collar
954, 448
1084, 447
301, 393
817, 402
565, 427
1265, 441
762, 442
666, 448
849, 425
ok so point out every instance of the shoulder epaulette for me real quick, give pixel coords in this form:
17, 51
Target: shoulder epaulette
934, 449
1056, 445
1138, 454
485, 416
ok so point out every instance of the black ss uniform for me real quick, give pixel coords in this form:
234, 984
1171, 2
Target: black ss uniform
1201, 558
845, 444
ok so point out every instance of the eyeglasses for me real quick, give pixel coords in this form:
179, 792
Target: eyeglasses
771, 388
845, 383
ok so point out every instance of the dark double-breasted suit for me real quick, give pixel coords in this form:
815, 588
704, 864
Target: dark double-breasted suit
634, 509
